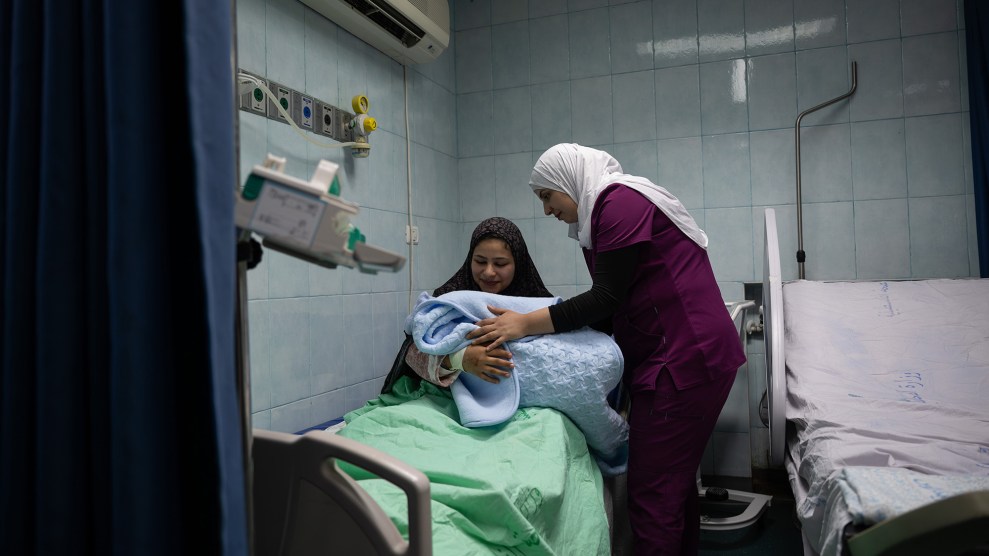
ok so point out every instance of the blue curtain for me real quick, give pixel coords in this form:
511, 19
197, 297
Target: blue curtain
977, 50
119, 423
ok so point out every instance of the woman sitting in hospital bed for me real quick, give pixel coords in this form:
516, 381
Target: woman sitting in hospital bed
572, 373
526, 485
497, 262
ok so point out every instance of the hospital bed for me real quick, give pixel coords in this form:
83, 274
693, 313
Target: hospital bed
528, 483
304, 504
878, 403
404, 467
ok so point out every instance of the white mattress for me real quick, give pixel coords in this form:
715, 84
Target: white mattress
884, 375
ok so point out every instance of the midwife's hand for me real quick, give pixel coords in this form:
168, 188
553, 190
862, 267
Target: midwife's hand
491, 366
506, 325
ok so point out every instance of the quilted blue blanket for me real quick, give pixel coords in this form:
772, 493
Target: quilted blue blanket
572, 372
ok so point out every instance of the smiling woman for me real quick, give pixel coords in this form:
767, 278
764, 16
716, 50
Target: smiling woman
497, 262
492, 266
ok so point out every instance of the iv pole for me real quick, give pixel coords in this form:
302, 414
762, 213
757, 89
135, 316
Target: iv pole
801, 256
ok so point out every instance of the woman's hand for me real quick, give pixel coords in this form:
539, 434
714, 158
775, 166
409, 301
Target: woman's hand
491, 366
506, 325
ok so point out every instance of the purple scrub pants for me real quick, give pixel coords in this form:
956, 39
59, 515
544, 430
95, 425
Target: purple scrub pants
669, 430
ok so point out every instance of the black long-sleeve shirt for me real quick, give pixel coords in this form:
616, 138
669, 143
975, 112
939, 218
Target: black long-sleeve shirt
611, 280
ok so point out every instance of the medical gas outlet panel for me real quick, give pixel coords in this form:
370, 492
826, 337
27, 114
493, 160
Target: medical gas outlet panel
307, 112
308, 219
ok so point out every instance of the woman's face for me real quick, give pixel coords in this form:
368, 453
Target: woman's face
492, 265
558, 204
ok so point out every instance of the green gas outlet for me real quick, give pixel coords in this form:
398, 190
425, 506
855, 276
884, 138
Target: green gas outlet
251, 96
257, 100
283, 96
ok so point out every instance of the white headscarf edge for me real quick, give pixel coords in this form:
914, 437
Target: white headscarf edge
582, 173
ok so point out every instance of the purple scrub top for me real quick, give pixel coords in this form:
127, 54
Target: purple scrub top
674, 315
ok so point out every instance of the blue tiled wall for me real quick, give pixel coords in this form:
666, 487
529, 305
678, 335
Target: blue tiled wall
698, 95
701, 96
322, 340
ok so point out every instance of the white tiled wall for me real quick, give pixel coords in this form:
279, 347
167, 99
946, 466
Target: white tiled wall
698, 95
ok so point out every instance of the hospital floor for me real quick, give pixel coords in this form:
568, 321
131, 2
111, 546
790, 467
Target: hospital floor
776, 533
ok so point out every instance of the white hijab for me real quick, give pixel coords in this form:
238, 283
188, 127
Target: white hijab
582, 173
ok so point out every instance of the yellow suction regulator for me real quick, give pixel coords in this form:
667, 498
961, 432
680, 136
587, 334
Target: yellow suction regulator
360, 104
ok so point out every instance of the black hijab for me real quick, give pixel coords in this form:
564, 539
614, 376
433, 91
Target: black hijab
526, 282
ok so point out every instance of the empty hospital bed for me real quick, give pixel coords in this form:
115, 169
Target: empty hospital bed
878, 409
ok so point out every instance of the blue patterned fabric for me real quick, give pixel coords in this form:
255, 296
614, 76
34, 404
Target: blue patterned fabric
572, 372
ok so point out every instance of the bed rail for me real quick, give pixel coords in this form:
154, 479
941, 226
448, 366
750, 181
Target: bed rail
305, 505
949, 526
772, 313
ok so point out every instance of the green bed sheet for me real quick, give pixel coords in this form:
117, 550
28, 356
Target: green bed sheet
525, 487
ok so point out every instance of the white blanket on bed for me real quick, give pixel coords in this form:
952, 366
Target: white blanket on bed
572, 372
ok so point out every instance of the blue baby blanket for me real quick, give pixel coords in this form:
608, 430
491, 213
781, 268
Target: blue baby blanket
572, 372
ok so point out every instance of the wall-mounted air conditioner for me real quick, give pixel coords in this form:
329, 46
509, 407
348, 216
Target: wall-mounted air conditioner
410, 31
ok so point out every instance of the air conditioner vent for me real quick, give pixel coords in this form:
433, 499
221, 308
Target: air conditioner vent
410, 31
389, 19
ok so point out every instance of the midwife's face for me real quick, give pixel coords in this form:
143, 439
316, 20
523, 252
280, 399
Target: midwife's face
558, 204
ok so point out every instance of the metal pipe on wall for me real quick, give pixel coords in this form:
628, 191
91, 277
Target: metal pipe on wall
801, 256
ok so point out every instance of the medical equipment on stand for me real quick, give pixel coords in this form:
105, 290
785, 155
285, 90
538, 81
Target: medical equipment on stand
308, 220
753, 504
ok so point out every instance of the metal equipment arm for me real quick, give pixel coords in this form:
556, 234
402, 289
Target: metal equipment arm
801, 256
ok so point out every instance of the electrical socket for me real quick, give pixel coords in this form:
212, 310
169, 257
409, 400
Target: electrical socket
412, 235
